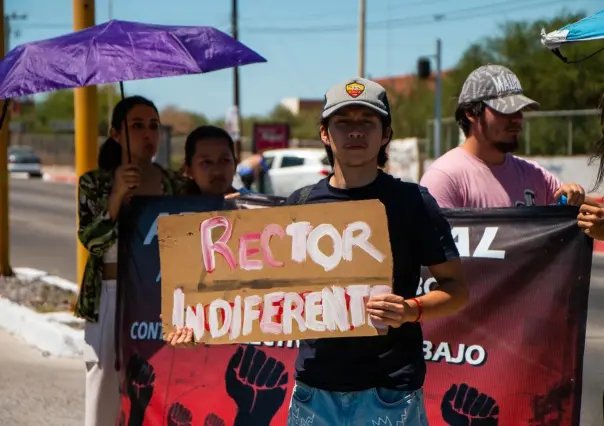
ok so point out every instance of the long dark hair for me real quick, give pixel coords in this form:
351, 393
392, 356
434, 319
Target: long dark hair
110, 153
598, 150
199, 134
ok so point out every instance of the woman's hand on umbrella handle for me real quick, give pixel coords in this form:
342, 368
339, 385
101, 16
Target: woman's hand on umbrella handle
126, 178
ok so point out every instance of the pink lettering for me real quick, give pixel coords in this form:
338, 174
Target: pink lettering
210, 248
246, 252
265, 238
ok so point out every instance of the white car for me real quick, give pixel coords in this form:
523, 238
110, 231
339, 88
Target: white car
291, 169
23, 160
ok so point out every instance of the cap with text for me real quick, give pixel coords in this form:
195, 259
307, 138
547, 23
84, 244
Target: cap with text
359, 92
497, 87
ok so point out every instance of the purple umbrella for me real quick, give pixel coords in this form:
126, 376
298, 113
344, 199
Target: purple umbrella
117, 51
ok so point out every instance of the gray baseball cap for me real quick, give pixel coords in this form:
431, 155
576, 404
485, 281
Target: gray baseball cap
497, 87
356, 91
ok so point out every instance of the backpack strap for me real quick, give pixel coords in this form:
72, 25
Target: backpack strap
304, 193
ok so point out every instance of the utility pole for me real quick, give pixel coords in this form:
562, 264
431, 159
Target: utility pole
5, 269
8, 31
236, 105
438, 100
362, 19
86, 117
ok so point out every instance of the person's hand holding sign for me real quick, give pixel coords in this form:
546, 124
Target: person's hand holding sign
574, 192
392, 310
181, 338
591, 218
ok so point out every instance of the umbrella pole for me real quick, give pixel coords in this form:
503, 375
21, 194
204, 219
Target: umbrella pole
4, 112
126, 126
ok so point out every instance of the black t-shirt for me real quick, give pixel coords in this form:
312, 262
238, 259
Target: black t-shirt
419, 235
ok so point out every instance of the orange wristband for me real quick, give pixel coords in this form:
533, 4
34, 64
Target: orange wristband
420, 309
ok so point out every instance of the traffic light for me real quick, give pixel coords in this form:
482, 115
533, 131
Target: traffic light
424, 68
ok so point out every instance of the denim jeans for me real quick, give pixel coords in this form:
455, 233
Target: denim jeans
372, 407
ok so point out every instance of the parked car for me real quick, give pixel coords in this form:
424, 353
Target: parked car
23, 159
291, 169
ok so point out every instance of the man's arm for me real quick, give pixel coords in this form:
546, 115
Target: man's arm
439, 253
451, 294
442, 188
555, 189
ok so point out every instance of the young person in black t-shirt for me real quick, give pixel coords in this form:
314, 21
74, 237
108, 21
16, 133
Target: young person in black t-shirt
376, 380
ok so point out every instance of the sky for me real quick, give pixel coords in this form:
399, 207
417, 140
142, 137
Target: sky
309, 45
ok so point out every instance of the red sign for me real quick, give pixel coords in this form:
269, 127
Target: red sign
270, 136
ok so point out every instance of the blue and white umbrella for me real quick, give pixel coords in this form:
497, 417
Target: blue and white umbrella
586, 29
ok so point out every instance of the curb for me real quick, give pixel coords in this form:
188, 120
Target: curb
41, 331
30, 274
47, 332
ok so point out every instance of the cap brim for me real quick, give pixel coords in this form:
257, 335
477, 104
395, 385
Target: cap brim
331, 110
512, 104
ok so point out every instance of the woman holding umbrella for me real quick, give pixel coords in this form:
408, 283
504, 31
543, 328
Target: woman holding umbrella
102, 192
209, 169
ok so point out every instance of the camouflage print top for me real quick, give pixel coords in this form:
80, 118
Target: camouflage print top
98, 232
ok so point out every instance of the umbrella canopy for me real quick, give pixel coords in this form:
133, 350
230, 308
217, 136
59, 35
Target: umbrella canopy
589, 28
118, 51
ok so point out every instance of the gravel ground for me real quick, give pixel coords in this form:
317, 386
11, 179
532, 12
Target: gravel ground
38, 295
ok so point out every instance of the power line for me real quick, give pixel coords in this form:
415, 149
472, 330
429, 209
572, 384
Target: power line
45, 26
413, 21
315, 16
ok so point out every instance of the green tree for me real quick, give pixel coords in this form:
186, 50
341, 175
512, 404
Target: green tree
59, 106
544, 77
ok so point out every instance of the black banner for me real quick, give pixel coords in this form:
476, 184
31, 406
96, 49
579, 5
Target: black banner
513, 356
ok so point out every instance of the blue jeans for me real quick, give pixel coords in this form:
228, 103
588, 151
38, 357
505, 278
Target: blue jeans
372, 407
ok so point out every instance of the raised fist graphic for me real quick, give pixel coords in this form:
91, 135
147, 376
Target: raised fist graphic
140, 379
179, 415
213, 420
464, 406
257, 385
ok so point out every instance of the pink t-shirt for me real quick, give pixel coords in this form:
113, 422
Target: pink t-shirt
458, 179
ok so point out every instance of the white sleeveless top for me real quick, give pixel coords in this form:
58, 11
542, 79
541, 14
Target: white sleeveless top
111, 255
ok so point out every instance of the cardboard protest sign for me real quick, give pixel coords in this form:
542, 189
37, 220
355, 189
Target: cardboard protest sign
283, 273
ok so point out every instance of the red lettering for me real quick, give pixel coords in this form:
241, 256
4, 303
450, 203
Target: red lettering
222, 314
210, 248
347, 296
269, 231
246, 252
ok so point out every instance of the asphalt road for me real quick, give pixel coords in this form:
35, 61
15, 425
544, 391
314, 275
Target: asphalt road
43, 225
42, 229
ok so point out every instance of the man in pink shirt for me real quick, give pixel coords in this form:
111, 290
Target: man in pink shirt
481, 172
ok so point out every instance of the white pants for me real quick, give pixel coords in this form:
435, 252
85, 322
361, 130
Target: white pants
102, 380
